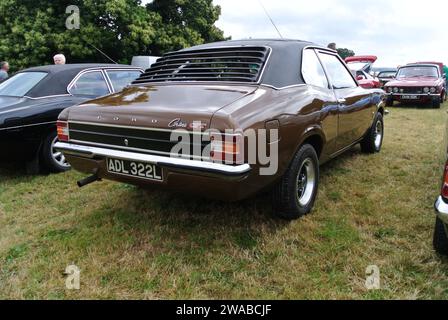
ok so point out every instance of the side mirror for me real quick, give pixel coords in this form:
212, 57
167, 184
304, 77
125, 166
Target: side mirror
360, 78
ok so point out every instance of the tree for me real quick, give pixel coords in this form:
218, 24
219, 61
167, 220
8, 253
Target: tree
185, 23
33, 31
345, 53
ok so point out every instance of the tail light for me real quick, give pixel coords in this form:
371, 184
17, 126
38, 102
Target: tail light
63, 133
228, 149
445, 183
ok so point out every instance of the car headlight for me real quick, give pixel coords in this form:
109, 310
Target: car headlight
395, 89
426, 90
389, 89
433, 90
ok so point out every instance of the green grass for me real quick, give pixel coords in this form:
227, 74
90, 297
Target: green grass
130, 243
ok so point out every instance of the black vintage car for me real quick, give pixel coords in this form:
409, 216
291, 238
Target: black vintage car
441, 207
386, 75
31, 100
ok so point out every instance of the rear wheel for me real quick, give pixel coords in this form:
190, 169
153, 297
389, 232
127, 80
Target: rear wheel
53, 160
440, 238
373, 141
296, 193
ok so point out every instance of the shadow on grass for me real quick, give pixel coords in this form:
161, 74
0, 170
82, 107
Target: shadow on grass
413, 105
191, 222
11, 169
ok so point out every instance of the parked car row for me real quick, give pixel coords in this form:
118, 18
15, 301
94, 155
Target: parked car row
386, 75
361, 67
31, 101
303, 91
117, 122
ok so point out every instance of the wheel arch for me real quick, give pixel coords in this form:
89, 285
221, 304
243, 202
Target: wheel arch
315, 137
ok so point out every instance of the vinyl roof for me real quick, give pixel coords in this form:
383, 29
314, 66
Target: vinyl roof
282, 69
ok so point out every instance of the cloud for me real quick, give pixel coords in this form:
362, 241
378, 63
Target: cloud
398, 31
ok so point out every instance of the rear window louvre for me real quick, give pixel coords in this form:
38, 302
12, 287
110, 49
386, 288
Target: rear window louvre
236, 64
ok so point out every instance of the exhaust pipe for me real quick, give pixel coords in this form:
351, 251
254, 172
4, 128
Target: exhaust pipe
86, 181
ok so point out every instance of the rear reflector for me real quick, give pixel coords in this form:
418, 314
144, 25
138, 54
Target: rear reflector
63, 133
445, 183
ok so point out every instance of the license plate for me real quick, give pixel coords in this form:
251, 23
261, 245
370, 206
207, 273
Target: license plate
135, 169
409, 97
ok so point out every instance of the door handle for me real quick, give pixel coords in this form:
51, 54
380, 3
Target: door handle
342, 101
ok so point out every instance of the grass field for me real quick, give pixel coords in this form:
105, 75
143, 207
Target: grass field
129, 243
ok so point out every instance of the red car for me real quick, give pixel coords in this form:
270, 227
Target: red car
417, 83
360, 67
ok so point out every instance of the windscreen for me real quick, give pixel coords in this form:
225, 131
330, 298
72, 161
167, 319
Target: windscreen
20, 84
418, 71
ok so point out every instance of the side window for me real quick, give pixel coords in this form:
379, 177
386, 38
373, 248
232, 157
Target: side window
90, 84
312, 70
338, 74
122, 78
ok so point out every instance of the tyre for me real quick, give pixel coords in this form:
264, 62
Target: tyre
436, 103
373, 141
389, 102
51, 159
440, 238
296, 193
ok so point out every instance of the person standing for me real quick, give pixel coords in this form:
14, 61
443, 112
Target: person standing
59, 59
4, 69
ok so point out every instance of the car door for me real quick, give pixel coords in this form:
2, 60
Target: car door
354, 102
120, 78
314, 76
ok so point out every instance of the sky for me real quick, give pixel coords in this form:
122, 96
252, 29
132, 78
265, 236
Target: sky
397, 31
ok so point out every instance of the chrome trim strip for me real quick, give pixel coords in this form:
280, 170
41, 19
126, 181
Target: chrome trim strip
147, 151
414, 94
441, 208
174, 163
102, 70
283, 88
129, 127
16, 109
48, 97
28, 125
86, 71
109, 85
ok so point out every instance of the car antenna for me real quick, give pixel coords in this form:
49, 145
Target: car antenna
109, 58
272, 21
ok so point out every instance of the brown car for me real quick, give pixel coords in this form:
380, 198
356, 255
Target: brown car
227, 121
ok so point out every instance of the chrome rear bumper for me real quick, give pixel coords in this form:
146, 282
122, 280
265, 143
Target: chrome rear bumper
164, 162
441, 208
393, 94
